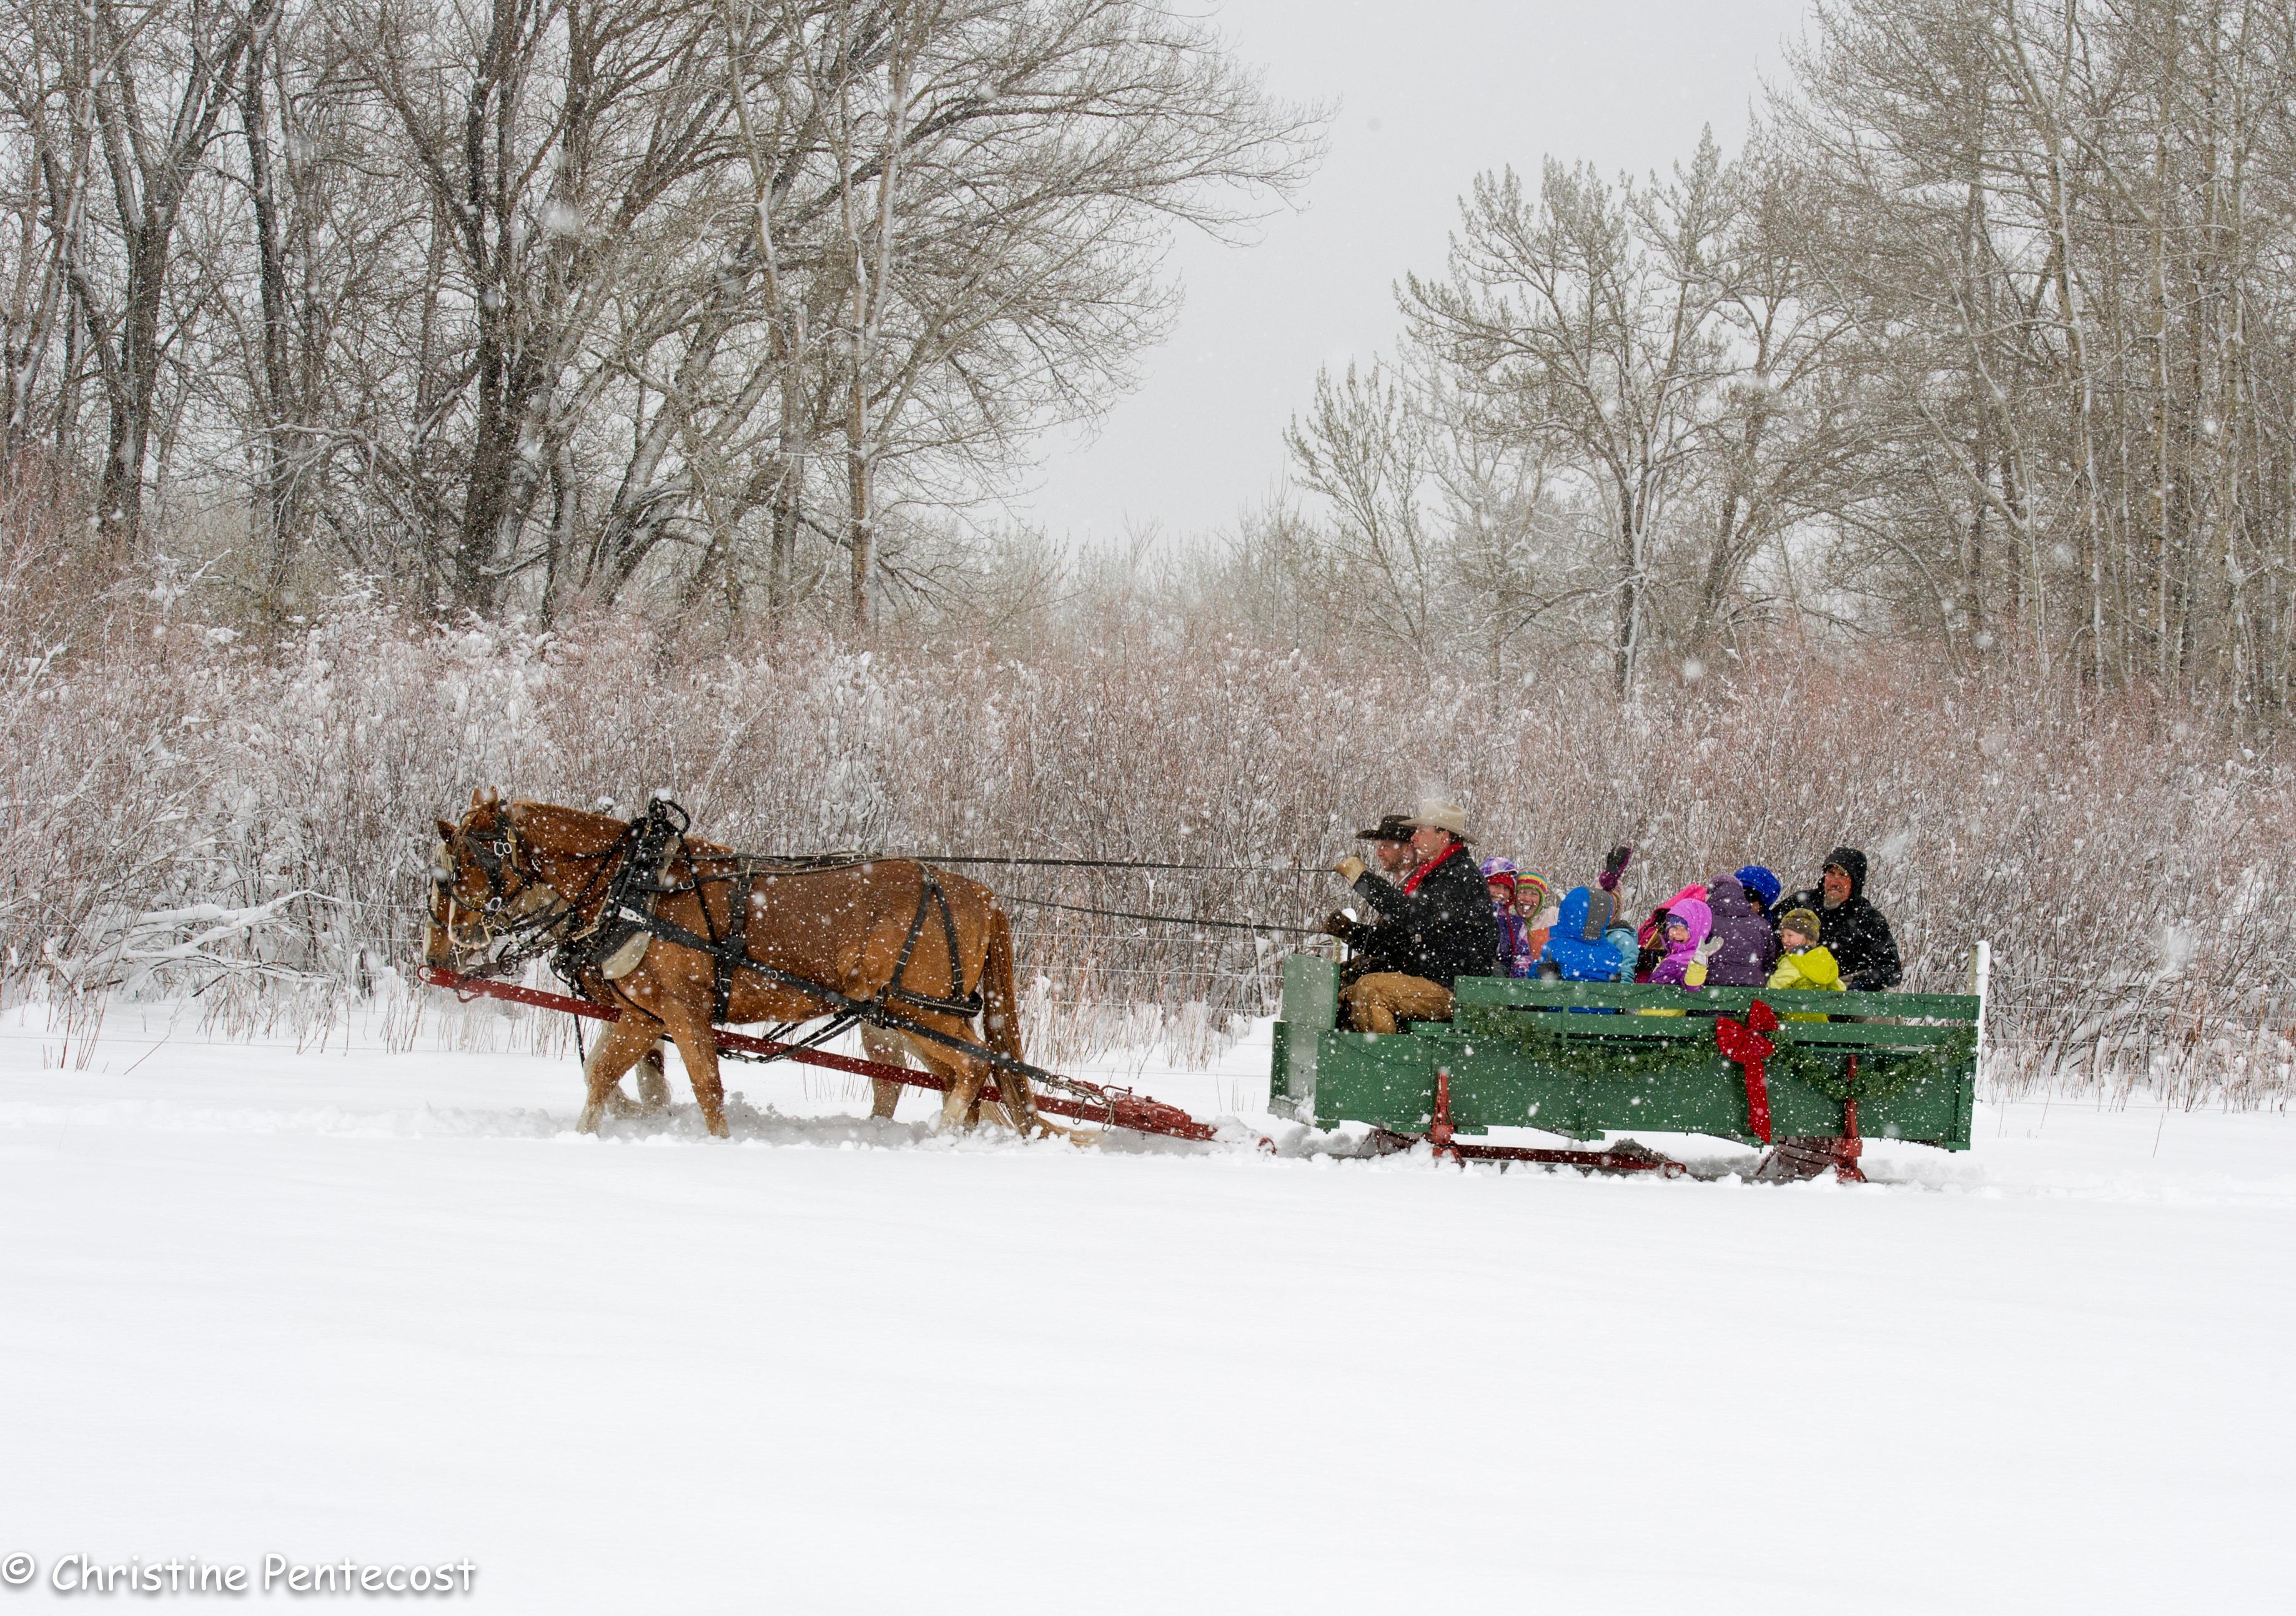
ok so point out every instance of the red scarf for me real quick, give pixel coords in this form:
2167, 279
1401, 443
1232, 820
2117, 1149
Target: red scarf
1411, 882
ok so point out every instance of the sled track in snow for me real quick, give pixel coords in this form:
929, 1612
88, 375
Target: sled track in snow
765, 1127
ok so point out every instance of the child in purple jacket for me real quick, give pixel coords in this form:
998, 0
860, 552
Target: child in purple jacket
1745, 950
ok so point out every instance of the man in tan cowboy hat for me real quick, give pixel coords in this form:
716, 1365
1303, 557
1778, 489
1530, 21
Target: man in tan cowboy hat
1442, 923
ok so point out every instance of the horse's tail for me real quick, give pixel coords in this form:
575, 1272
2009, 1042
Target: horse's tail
1000, 1017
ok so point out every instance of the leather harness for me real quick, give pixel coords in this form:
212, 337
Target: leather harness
655, 841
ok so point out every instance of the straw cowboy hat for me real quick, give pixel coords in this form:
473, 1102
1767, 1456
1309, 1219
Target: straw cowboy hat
1439, 815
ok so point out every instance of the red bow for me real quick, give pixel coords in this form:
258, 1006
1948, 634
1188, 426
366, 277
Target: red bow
1744, 1042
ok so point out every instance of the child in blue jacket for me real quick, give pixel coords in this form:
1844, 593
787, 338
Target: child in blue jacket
1579, 948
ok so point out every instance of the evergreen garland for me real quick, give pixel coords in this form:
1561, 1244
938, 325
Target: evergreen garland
1534, 1036
1880, 1076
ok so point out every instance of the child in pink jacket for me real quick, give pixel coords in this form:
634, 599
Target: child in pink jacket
1651, 936
1688, 922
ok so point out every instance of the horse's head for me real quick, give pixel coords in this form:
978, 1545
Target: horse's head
484, 886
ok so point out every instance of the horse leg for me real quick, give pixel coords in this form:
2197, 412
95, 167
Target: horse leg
617, 1052
653, 1082
697, 1047
1022, 1117
961, 1107
884, 1047
960, 1102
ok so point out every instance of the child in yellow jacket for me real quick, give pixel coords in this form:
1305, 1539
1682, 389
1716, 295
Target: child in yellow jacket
1803, 964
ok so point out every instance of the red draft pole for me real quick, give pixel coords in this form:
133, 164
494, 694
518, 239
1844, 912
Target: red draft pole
1111, 1107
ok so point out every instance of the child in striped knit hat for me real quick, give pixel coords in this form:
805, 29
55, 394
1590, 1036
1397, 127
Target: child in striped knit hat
1536, 909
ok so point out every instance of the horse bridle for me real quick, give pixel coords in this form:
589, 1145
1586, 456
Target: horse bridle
533, 909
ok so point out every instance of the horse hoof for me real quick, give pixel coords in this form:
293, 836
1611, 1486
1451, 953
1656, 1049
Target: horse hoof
654, 1088
590, 1119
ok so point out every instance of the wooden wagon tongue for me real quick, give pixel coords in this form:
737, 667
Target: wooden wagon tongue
1079, 1100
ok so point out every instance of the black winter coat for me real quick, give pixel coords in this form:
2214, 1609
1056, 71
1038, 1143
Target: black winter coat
1375, 945
1857, 935
1447, 928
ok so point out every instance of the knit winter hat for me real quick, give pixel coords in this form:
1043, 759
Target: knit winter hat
1756, 880
1802, 920
1531, 878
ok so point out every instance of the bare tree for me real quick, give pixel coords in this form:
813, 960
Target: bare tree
152, 83
50, 162
1586, 320
1363, 448
2061, 207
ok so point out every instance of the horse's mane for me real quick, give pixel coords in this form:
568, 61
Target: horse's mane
590, 833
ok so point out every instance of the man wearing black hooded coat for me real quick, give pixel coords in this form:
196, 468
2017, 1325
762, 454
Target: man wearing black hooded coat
1857, 934
1858, 937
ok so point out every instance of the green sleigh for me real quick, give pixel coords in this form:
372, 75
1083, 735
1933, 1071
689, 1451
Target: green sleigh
1542, 1055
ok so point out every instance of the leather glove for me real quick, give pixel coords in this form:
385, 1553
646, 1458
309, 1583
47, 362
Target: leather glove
1337, 925
1350, 869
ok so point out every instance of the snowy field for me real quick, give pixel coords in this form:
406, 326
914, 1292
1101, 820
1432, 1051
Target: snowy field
388, 1307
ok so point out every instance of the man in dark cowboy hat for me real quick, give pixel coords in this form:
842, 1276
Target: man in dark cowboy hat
1376, 944
1442, 925
1390, 845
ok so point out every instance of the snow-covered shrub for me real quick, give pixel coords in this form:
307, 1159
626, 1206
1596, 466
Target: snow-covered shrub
2129, 866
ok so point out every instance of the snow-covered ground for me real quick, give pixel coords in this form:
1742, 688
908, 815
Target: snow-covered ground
387, 1306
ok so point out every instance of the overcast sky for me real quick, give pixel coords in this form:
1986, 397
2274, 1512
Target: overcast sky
1428, 93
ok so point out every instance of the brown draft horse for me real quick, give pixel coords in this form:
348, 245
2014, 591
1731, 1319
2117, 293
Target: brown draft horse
845, 929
